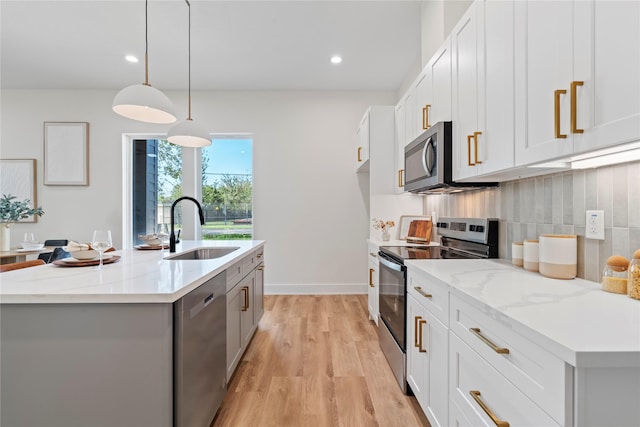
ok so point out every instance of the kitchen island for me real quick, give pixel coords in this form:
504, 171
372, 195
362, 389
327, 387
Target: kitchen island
532, 350
82, 346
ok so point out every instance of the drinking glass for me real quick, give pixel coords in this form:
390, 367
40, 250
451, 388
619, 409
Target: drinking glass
29, 238
163, 234
101, 241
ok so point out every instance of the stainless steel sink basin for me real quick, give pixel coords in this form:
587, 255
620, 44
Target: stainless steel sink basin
203, 253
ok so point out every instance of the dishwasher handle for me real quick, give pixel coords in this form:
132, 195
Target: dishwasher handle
201, 306
390, 264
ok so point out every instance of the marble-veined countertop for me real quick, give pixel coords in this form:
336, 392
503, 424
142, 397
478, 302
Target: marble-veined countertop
140, 276
573, 319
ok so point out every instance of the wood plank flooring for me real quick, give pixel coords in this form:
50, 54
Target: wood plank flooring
315, 361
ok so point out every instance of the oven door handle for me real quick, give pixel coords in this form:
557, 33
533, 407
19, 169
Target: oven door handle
390, 264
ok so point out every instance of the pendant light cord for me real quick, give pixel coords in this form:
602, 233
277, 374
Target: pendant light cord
189, 41
146, 44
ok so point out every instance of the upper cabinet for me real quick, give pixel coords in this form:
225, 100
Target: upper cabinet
482, 90
577, 85
433, 91
362, 142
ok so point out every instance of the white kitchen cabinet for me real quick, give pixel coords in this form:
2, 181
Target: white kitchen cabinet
362, 142
577, 86
377, 134
373, 290
433, 90
400, 142
428, 346
482, 90
427, 361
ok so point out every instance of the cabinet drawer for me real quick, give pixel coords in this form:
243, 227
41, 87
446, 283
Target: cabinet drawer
234, 274
430, 293
373, 250
471, 373
250, 262
537, 373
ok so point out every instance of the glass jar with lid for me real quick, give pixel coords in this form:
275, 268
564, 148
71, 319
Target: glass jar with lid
614, 275
633, 286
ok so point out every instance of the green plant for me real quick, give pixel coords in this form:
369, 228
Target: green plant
12, 210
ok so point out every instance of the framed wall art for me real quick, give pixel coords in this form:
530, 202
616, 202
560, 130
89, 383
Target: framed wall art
66, 153
18, 178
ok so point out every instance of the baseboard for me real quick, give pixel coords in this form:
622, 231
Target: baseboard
315, 289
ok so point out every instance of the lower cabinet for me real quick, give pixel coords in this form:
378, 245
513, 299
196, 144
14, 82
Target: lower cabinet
427, 361
373, 288
244, 308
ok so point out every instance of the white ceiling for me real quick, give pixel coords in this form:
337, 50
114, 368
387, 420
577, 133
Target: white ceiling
235, 45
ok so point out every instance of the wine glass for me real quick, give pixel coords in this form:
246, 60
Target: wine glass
163, 234
101, 241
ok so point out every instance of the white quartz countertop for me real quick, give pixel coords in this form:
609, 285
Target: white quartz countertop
573, 319
140, 276
396, 242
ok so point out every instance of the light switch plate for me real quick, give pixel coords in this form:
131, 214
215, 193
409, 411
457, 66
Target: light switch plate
595, 225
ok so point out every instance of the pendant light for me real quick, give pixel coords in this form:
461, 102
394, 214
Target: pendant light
141, 101
188, 133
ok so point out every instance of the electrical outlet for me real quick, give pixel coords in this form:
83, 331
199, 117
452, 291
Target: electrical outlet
595, 225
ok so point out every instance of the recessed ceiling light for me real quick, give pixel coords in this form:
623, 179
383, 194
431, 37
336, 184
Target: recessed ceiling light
131, 58
336, 59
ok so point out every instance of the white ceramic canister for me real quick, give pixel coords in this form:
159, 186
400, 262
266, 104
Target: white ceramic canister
530, 255
558, 256
516, 254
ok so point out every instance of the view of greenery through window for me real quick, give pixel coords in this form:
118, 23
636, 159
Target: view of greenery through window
226, 186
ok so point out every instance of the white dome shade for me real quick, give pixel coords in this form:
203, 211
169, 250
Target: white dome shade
144, 103
189, 134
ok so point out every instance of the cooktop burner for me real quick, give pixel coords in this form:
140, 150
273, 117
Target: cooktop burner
424, 252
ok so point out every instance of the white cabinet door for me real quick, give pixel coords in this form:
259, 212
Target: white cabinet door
362, 141
373, 290
483, 96
258, 294
427, 361
544, 69
234, 334
433, 90
247, 323
400, 144
423, 108
607, 61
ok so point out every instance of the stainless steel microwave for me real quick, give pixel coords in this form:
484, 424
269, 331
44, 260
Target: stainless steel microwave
428, 163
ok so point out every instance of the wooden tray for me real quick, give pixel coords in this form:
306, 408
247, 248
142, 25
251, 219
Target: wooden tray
85, 263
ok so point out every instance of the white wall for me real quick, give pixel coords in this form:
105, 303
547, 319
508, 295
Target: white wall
307, 201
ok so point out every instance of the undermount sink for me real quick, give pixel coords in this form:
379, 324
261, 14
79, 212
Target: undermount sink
203, 253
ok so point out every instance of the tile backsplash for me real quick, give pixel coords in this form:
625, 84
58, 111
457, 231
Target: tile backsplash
557, 203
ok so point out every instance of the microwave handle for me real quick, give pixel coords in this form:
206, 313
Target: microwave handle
427, 145
389, 264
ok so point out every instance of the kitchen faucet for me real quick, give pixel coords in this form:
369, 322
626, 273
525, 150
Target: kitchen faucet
172, 236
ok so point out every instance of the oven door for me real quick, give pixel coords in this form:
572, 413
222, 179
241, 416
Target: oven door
392, 300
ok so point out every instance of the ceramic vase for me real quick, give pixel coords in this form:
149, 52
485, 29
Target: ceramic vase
5, 237
385, 235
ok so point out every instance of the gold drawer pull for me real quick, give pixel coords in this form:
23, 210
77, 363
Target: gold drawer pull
574, 107
425, 117
420, 323
371, 270
500, 350
475, 139
245, 290
261, 268
400, 177
416, 341
556, 110
359, 154
498, 422
421, 292
469, 151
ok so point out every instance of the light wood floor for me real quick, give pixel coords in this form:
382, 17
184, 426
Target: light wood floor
315, 361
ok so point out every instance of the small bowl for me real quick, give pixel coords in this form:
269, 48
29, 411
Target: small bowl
85, 254
32, 246
150, 239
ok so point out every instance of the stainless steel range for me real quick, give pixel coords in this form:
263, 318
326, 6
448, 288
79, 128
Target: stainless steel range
460, 238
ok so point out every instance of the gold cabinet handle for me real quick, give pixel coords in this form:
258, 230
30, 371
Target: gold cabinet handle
359, 154
425, 117
421, 292
400, 178
469, 150
416, 323
574, 107
475, 140
498, 422
556, 111
260, 255
420, 323
500, 350
245, 289
371, 271
261, 268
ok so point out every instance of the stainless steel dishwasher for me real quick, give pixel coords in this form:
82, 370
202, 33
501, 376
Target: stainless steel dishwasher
200, 351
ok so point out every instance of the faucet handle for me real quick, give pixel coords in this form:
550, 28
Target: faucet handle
178, 236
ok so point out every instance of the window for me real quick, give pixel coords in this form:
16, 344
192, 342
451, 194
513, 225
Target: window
226, 187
